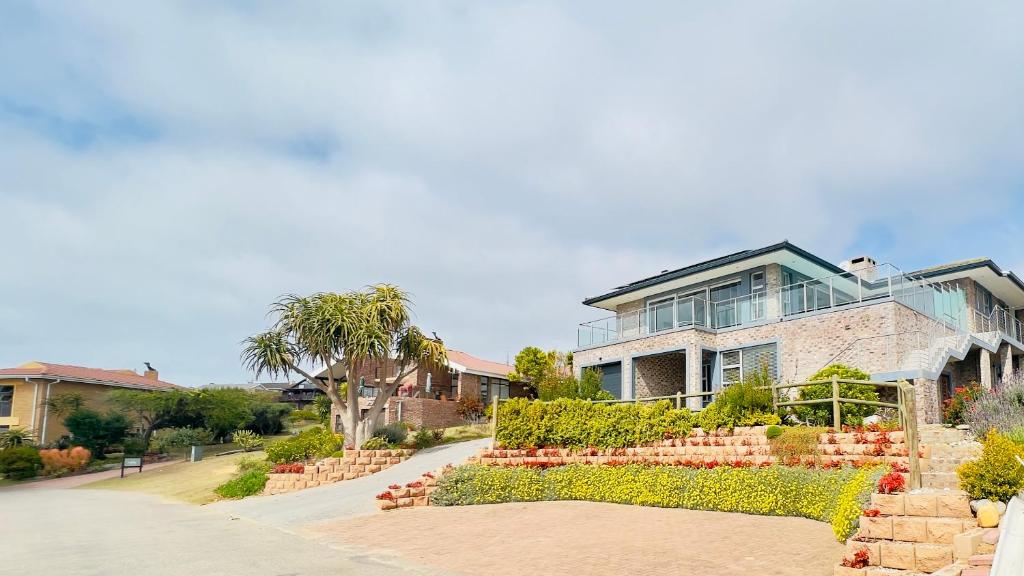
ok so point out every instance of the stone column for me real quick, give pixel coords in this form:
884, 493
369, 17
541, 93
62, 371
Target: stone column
772, 284
627, 378
693, 361
1006, 358
985, 368
926, 396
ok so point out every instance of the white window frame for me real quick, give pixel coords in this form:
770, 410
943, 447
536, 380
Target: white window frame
738, 364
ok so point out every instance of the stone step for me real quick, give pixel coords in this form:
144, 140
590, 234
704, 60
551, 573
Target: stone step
841, 570
981, 560
940, 480
976, 571
928, 503
922, 557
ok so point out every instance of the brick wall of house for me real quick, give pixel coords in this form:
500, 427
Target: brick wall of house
426, 412
805, 344
660, 375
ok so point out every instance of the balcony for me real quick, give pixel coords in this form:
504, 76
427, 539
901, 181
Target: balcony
943, 302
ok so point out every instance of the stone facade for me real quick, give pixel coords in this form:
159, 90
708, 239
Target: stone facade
660, 375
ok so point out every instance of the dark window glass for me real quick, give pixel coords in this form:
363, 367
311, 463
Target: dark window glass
6, 400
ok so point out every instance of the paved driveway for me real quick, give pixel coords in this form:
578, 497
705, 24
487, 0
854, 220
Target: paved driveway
105, 533
343, 500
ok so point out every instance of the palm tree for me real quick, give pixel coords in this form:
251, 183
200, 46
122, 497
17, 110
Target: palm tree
351, 329
16, 437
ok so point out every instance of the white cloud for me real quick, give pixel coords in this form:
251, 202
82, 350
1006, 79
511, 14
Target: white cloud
500, 161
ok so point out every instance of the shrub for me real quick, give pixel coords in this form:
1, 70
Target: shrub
250, 463
268, 417
773, 432
133, 446
304, 415
394, 433
834, 496
821, 414
16, 437
167, 439
997, 475
1017, 435
20, 462
68, 461
247, 484
794, 444
376, 443
590, 385
955, 409
580, 424
96, 431
891, 483
424, 438
713, 417
470, 407
749, 395
315, 442
1002, 409
247, 440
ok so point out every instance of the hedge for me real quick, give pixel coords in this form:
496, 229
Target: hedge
835, 496
580, 424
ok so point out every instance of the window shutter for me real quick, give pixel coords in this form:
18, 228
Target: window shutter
756, 357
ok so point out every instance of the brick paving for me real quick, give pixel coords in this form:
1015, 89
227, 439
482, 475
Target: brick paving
572, 538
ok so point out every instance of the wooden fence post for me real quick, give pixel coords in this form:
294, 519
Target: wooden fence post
679, 400
494, 431
910, 433
837, 421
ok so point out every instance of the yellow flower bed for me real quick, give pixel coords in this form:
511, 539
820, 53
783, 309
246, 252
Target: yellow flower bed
834, 496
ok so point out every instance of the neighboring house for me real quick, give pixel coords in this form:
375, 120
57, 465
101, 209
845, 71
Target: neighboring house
429, 397
24, 392
702, 327
299, 394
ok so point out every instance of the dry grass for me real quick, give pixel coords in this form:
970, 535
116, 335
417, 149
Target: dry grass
191, 482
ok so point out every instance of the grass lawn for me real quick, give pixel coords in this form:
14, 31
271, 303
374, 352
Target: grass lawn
191, 482
468, 432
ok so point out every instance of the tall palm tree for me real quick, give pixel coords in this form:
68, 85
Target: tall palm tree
351, 329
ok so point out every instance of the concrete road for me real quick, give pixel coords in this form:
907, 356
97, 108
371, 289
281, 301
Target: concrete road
348, 499
107, 533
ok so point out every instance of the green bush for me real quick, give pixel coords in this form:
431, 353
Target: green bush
424, 438
773, 431
394, 433
821, 414
248, 484
16, 437
20, 462
167, 439
713, 417
315, 442
579, 423
833, 496
96, 431
794, 444
247, 440
250, 463
997, 475
304, 415
376, 443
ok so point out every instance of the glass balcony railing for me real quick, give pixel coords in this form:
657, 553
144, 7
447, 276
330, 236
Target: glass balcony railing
943, 302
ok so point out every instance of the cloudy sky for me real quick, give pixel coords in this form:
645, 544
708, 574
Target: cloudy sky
168, 169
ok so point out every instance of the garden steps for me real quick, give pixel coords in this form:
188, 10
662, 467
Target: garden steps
920, 532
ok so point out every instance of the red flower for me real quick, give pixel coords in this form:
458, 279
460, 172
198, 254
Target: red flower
891, 483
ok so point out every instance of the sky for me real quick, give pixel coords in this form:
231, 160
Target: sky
167, 170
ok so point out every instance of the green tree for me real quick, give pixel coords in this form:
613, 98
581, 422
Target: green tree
590, 385
821, 414
96, 431
64, 404
353, 330
223, 410
534, 365
151, 409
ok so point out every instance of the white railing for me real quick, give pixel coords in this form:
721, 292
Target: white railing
999, 320
942, 302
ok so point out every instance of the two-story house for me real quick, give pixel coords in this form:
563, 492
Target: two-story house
702, 327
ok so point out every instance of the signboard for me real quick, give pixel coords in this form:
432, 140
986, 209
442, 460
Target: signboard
131, 463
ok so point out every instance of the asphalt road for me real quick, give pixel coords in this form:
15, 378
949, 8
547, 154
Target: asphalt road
60, 532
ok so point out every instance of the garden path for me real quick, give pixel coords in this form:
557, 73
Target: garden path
348, 499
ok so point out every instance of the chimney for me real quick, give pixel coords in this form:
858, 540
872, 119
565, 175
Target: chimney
864, 267
151, 372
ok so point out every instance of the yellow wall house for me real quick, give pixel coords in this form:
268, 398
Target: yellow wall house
24, 392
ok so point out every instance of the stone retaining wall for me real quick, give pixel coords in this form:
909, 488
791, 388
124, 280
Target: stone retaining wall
747, 444
354, 464
416, 493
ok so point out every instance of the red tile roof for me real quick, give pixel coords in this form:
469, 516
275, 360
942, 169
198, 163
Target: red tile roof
120, 378
474, 364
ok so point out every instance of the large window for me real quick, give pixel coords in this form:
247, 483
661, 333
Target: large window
455, 385
6, 400
725, 304
738, 364
491, 387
